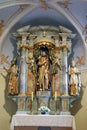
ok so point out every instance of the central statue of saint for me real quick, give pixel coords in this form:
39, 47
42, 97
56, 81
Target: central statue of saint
43, 71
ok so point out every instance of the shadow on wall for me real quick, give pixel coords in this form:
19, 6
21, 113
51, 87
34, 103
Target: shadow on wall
10, 105
76, 105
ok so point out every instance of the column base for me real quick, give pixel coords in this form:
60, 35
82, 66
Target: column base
21, 112
65, 113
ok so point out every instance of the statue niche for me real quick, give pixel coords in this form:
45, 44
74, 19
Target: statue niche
48, 65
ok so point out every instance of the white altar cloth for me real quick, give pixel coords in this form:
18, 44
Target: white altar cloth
43, 120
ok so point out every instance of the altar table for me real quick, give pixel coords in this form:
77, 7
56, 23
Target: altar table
40, 122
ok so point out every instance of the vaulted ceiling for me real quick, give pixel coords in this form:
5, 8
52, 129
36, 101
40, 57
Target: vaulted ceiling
15, 14
64, 12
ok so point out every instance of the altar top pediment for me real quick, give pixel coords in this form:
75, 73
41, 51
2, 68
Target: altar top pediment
49, 36
37, 29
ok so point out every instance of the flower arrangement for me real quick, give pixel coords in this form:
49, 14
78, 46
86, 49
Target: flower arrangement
44, 109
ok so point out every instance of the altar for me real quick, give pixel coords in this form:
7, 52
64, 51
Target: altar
43, 79
42, 75
40, 122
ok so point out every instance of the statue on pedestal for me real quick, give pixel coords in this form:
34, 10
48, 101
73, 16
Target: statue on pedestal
56, 68
31, 75
73, 79
43, 71
13, 78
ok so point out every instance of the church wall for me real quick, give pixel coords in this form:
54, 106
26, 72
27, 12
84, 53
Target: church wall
81, 115
7, 106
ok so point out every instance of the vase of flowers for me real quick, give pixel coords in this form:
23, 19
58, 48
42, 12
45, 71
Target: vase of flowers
44, 110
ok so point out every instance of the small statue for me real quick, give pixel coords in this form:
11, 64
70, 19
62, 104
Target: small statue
13, 78
56, 68
56, 64
30, 61
74, 79
31, 74
43, 71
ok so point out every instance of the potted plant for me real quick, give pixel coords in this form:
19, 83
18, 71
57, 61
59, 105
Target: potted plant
44, 110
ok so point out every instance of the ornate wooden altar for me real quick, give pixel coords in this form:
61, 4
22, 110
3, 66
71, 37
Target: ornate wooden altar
43, 77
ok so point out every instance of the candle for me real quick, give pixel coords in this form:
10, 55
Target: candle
55, 96
32, 96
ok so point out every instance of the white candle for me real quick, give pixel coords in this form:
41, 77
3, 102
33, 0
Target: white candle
55, 96
32, 96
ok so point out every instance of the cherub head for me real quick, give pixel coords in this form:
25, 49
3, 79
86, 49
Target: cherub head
72, 62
